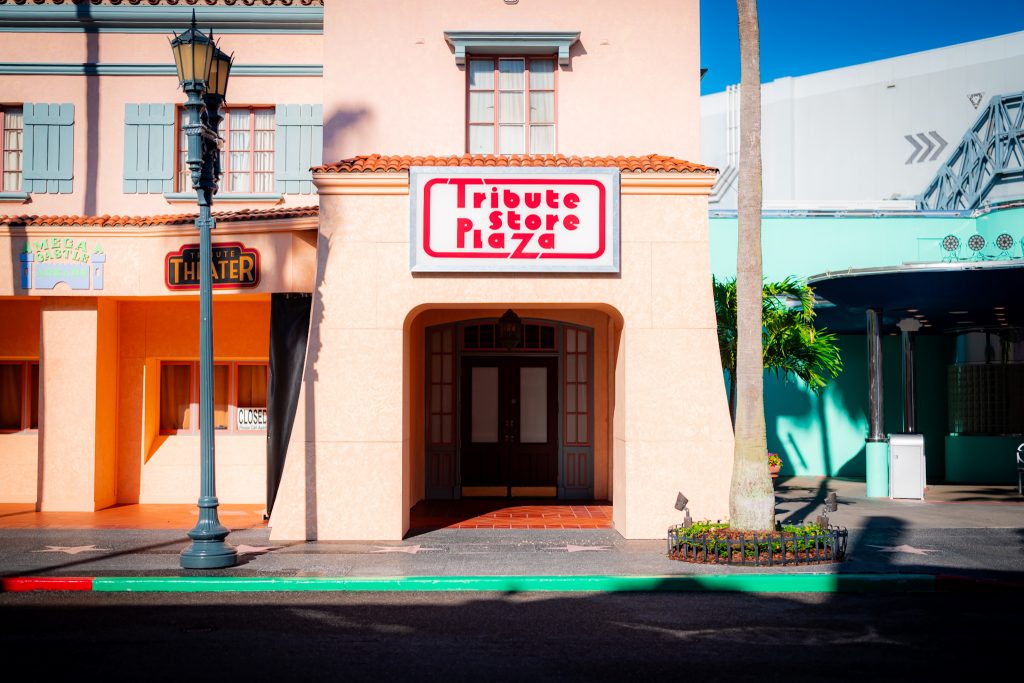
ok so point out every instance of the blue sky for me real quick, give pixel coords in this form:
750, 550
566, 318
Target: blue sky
804, 36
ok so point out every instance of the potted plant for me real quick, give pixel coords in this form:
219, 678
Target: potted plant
774, 464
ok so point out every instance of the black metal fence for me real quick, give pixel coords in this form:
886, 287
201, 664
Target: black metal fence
758, 549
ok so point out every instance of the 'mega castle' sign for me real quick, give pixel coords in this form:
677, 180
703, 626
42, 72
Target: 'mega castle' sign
49, 261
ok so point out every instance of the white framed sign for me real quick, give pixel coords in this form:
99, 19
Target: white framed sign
252, 419
514, 220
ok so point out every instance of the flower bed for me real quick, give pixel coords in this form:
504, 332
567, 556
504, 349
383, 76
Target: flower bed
716, 543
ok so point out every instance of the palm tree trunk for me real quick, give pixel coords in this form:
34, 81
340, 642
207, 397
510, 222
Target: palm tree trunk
751, 496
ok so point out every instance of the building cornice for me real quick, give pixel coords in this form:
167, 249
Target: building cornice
88, 18
255, 227
667, 183
398, 183
362, 183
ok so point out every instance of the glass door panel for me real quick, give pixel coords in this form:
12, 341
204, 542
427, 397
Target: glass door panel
484, 409
533, 405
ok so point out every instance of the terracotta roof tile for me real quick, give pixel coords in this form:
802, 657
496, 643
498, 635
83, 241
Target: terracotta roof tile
170, 219
378, 163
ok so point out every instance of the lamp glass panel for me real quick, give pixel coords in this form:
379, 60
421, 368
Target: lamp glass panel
219, 71
184, 54
176, 50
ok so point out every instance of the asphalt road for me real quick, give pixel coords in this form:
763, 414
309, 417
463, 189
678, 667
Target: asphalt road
490, 636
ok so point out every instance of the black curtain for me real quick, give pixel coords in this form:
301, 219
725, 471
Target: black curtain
289, 331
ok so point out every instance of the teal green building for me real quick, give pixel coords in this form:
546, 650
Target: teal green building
967, 352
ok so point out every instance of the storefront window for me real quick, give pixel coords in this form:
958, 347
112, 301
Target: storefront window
511, 106
19, 396
33, 396
175, 397
252, 386
10, 396
239, 397
221, 411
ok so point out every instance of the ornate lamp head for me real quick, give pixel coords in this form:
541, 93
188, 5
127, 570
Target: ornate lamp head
193, 55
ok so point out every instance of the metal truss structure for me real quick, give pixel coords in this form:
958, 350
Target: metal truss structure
990, 154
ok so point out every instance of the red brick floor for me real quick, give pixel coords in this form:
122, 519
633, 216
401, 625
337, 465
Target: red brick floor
502, 513
470, 513
24, 516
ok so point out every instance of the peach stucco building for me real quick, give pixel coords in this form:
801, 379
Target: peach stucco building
398, 176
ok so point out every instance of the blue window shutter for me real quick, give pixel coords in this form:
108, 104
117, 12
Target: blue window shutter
148, 148
299, 144
49, 148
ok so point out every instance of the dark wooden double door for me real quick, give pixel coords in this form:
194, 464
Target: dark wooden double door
509, 425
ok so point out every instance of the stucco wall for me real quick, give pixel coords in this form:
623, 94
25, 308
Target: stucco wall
391, 84
347, 475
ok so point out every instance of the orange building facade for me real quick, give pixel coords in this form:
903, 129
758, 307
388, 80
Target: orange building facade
495, 157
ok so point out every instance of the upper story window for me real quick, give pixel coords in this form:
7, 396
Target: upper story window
247, 159
511, 105
11, 145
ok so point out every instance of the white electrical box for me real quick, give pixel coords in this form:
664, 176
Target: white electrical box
906, 466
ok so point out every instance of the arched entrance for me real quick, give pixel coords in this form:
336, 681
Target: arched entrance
508, 422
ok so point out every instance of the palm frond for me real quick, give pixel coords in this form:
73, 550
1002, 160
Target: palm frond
791, 345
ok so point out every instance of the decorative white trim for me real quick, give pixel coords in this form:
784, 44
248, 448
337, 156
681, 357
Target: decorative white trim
362, 183
141, 69
512, 42
667, 183
256, 226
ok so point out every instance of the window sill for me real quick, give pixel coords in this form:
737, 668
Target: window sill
190, 198
14, 197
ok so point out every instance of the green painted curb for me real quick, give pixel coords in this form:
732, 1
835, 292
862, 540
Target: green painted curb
748, 583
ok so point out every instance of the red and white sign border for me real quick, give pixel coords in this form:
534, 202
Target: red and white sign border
423, 260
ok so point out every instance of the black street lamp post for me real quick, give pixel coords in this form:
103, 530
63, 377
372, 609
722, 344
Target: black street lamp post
203, 74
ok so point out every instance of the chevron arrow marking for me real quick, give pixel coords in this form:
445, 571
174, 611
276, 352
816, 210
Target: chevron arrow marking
942, 144
917, 148
929, 145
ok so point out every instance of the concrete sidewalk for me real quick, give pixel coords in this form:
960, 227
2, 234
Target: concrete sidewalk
894, 545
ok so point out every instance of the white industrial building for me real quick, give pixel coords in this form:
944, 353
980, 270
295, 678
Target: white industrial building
870, 136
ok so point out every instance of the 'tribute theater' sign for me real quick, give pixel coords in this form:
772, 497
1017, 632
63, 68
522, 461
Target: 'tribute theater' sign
516, 220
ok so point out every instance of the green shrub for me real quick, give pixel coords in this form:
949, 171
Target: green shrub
787, 539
